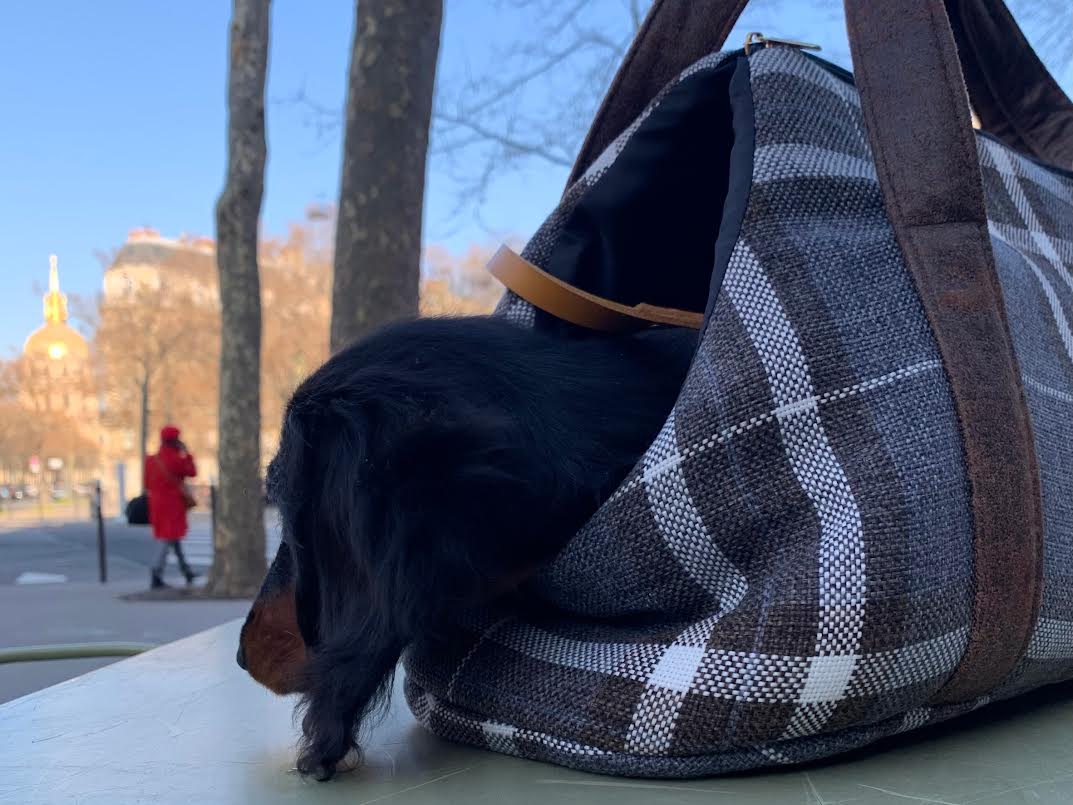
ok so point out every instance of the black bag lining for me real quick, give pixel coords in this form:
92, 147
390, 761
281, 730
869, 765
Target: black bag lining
659, 225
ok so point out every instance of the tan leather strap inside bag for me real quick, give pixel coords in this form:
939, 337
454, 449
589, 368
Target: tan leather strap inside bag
564, 301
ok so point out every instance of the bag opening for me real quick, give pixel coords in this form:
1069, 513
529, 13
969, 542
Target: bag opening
658, 226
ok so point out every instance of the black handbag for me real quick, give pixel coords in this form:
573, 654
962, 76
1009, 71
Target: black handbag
138, 510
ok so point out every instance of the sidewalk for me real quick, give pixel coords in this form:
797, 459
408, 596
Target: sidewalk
49, 593
88, 612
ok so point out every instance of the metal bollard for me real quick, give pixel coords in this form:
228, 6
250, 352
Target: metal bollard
102, 565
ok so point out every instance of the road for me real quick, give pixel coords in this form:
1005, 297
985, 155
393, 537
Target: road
49, 593
44, 551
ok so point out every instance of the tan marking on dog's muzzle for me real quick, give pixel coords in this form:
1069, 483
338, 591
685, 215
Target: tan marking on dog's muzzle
271, 648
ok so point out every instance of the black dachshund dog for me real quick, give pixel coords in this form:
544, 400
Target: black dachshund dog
431, 467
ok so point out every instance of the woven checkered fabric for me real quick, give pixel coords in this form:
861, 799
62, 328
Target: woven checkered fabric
787, 573
1030, 216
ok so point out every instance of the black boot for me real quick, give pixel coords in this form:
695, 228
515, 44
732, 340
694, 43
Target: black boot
155, 582
190, 576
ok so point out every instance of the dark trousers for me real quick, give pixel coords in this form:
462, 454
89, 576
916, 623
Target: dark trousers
171, 545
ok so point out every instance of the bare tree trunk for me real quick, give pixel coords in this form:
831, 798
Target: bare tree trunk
389, 103
239, 561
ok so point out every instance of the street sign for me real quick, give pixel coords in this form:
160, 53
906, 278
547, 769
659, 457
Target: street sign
55, 463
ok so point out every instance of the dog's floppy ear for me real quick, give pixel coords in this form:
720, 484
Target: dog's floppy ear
288, 487
412, 514
322, 470
325, 506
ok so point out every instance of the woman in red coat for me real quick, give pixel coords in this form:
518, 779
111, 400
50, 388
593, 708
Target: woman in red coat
165, 474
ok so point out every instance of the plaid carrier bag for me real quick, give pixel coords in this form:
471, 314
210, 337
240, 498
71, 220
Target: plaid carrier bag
858, 518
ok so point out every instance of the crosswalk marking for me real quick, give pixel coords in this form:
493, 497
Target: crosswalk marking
197, 546
33, 577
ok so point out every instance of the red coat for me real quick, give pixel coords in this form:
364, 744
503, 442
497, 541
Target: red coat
167, 511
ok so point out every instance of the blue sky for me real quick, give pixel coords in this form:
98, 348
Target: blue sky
114, 118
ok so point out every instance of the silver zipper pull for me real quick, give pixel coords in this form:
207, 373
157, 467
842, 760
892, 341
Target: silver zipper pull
756, 38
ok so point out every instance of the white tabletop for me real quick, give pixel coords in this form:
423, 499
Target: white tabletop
183, 724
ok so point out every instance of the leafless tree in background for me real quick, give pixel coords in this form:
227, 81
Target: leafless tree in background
143, 337
381, 195
239, 562
534, 107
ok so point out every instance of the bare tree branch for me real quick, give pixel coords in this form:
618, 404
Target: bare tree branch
506, 139
548, 62
534, 109
323, 120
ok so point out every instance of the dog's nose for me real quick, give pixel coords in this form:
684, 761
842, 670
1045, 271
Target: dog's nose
240, 658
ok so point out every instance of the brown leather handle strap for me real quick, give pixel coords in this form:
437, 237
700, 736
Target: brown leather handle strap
917, 121
913, 96
1014, 96
579, 307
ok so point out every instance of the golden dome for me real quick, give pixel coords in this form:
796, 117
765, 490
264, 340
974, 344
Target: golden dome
55, 339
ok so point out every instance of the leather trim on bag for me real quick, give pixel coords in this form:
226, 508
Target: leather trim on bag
566, 302
928, 169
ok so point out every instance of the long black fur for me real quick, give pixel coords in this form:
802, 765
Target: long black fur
424, 468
